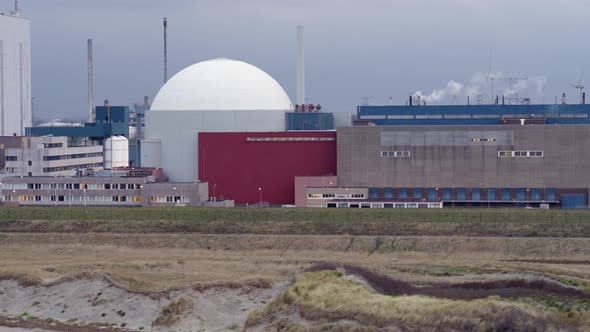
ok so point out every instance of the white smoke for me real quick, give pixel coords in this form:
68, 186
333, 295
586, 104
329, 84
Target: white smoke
486, 85
453, 88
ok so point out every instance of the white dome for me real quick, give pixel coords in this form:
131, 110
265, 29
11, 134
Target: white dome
221, 85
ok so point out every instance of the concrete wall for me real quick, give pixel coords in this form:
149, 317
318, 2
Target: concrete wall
304, 182
15, 75
177, 132
436, 161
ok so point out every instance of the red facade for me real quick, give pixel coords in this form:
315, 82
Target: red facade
236, 165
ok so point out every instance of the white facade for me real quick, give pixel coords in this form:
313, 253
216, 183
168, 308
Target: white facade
213, 96
116, 152
15, 75
48, 155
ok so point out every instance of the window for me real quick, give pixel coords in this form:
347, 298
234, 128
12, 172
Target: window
521, 153
395, 154
30, 163
11, 158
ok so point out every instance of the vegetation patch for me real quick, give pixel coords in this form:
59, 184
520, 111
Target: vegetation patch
172, 311
327, 295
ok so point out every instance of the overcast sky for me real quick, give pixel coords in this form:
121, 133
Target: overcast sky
374, 48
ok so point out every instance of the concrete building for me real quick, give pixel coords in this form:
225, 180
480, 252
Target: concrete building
15, 74
124, 187
219, 95
51, 156
500, 165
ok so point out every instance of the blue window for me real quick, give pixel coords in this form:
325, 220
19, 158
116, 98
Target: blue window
505, 194
536, 194
373, 193
491, 194
432, 193
475, 195
446, 194
417, 193
550, 195
520, 194
388, 193
402, 193
460, 194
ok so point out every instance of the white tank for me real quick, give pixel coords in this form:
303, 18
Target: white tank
116, 152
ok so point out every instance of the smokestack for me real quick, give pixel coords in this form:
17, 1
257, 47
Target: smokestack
16, 8
467, 100
165, 50
410, 100
583, 98
90, 98
300, 75
563, 101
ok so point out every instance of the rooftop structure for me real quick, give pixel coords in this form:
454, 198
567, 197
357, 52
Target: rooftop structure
475, 114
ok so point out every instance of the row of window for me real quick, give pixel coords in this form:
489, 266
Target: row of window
463, 194
396, 154
52, 145
169, 199
384, 205
89, 186
73, 156
70, 167
66, 198
473, 116
333, 195
11, 158
536, 153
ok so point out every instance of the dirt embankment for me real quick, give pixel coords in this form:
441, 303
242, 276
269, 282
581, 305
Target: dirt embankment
91, 304
517, 247
326, 227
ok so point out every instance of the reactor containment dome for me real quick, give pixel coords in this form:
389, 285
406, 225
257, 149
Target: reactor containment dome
221, 85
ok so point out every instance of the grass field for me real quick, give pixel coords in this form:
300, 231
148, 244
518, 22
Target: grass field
295, 214
445, 222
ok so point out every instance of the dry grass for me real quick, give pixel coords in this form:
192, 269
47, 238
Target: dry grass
327, 295
154, 263
172, 311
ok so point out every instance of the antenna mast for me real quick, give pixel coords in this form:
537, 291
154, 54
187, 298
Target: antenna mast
165, 51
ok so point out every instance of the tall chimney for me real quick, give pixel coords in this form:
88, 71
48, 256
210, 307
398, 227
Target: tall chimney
583, 98
165, 50
300, 75
16, 8
90, 98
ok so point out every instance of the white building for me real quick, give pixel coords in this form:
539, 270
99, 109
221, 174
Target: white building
51, 156
15, 74
212, 96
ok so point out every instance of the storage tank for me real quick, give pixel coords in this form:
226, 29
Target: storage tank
116, 152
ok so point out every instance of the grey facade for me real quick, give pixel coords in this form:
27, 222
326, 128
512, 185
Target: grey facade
491, 158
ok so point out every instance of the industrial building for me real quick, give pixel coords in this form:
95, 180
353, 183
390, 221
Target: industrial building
119, 187
253, 167
15, 73
51, 156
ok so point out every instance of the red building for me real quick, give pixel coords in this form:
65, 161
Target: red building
247, 166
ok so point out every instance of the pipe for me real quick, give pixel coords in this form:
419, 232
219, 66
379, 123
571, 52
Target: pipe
300, 73
90, 97
165, 50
